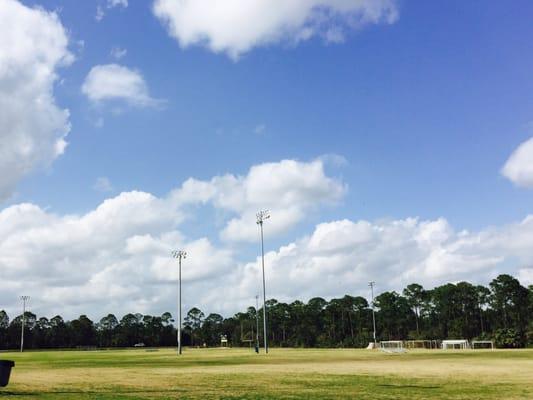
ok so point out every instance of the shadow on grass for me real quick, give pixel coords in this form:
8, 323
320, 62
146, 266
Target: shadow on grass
89, 392
407, 386
5, 393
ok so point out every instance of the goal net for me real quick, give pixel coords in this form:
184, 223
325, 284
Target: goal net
392, 346
482, 344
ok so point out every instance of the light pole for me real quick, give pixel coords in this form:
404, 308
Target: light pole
24, 299
371, 284
179, 254
257, 323
261, 217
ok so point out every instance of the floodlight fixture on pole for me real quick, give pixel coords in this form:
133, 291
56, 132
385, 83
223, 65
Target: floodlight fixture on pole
179, 254
261, 217
371, 284
24, 300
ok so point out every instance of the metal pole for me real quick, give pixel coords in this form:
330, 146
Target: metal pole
371, 284
22, 331
23, 298
264, 290
179, 322
179, 255
257, 322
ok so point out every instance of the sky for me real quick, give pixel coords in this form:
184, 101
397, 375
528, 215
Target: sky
391, 141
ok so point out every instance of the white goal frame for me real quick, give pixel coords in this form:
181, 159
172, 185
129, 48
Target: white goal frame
474, 342
392, 346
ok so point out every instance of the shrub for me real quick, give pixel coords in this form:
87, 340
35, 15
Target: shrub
508, 339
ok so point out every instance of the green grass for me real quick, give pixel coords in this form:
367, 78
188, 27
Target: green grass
283, 374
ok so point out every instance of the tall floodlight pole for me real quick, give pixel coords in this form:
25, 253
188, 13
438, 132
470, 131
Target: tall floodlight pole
179, 254
261, 217
24, 299
371, 284
257, 322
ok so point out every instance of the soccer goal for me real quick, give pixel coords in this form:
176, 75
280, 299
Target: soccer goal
422, 344
248, 337
459, 344
482, 344
392, 346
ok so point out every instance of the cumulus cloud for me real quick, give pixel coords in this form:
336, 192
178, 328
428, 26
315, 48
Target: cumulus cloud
342, 256
116, 258
289, 189
236, 26
116, 82
121, 249
72, 254
33, 46
519, 167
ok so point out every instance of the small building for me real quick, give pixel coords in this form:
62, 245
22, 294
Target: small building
223, 341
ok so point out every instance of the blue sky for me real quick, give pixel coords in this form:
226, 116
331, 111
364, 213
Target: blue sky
425, 111
415, 117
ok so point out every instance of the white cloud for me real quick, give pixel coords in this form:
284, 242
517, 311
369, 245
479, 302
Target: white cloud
100, 11
519, 166
33, 45
70, 253
236, 26
288, 189
342, 256
103, 184
116, 258
117, 53
116, 82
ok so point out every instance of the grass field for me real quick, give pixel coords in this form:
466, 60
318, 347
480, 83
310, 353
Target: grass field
284, 373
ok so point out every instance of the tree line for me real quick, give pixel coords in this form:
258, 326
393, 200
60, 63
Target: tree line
501, 312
